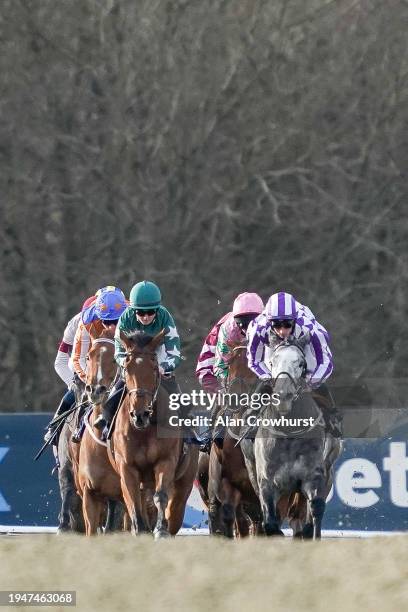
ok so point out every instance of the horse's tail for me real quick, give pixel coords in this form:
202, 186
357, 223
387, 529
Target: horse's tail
296, 506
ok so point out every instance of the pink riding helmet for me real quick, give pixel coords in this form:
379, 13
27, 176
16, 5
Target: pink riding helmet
247, 303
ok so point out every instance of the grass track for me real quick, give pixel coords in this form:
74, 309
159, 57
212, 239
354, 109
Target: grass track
125, 574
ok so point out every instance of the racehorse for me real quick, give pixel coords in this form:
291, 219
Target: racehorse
144, 449
232, 499
70, 517
98, 483
291, 464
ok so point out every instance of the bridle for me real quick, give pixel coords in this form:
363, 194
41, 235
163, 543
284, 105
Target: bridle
115, 378
299, 388
140, 391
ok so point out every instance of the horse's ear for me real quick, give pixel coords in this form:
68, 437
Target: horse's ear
93, 333
273, 340
303, 340
125, 340
158, 338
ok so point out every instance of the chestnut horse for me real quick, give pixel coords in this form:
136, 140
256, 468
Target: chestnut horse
98, 483
230, 492
145, 450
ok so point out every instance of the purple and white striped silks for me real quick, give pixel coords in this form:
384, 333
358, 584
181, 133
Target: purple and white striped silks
319, 359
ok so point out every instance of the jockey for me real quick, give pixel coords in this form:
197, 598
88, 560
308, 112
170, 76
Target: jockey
63, 362
144, 313
206, 359
102, 314
246, 307
106, 309
213, 362
284, 317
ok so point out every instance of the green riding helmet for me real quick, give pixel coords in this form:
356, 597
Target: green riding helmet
145, 295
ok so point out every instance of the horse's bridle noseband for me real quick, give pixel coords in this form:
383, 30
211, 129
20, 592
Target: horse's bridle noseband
299, 388
140, 392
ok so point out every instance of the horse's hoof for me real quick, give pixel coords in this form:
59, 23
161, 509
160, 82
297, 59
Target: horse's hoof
62, 530
275, 532
161, 534
307, 532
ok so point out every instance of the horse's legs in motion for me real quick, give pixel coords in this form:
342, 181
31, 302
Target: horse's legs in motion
242, 523
231, 497
164, 474
92, 508
255, 515
68, 492
268, 496
110, 516
130, 483
214, 516
181, 493
315, 492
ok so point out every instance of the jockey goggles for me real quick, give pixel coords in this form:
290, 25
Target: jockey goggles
141, 312
286, 323
244, 320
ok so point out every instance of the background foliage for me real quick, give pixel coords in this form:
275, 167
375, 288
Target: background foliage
213, 147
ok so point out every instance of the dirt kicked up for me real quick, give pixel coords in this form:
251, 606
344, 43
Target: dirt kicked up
124, 573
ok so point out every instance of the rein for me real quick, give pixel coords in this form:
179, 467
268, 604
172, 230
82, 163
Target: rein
299, 388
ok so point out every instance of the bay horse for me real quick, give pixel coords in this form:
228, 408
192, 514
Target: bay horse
232, 499
291, 465
98, 483
144, 449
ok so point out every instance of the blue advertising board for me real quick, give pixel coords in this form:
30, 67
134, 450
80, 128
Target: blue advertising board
370, 492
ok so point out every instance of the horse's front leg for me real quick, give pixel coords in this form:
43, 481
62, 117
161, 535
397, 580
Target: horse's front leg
230, 498
130, 483
315, 491
164, 477
268, 497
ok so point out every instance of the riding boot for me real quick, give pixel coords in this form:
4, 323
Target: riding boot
79, 430
104, 420
65, 404
332, 416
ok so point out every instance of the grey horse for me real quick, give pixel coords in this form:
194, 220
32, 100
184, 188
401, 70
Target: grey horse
70, 516
293, 460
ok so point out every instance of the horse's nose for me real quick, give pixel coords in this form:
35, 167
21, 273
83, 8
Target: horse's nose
100, 389
88, 388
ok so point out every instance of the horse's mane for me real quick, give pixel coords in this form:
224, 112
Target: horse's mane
140, 338
108, 333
